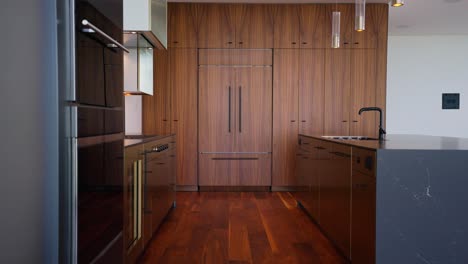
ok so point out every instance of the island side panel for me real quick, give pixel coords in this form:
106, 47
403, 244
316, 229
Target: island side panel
422, 198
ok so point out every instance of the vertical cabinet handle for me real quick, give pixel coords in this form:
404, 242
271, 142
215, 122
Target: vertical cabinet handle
139, 162
229, 110
240, 109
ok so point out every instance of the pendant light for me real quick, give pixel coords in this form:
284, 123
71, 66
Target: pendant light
336, 27
397, 3
360, 16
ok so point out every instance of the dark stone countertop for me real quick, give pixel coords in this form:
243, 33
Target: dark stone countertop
404, 142
133, 140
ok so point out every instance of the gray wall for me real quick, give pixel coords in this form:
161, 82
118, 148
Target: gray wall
29, 132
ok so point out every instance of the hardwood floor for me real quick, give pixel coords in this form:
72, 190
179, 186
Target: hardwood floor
221, 227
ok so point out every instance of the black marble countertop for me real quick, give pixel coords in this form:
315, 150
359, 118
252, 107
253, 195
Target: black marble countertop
133, 140
404, 142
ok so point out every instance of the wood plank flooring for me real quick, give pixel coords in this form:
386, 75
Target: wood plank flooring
223, 227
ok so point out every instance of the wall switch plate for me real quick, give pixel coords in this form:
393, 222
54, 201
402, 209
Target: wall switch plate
451, 101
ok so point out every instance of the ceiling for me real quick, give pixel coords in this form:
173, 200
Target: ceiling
417, 17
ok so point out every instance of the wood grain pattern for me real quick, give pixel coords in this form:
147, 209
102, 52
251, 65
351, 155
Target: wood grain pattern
217, 114
236, 57
286, 27
363, 92
217, 29
235, 170
314, 25
254, 26
156, 108
376, 27
337, 91
183, 84
285, 115
347, 23
312, 91
253, 108
183, 25
239, 228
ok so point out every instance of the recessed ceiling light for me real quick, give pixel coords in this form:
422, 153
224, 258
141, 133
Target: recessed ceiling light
397, 3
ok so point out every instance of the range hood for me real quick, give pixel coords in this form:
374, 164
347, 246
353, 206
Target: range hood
147, 17
138, 65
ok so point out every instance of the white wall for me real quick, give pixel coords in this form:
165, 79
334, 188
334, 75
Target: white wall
133, 115
420, 69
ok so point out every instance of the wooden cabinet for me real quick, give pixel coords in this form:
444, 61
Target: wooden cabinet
315, 27
375, 35
216, 28
235, 122
363, 92
235, 169
254, 26
183, 84
311, 91
286, 27
285, 115
337, 91
156, 108
183, 21
347, 24
217, 109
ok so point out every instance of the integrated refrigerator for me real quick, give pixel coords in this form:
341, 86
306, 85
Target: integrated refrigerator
90, 34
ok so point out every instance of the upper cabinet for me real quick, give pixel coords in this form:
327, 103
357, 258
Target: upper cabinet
346, 24
254, 26
315, 27
183, 21
216, 28
376, 28
286, 26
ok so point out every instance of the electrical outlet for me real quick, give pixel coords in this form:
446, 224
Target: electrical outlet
451, 101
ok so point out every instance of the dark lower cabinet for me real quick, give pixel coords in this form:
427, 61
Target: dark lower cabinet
337, 189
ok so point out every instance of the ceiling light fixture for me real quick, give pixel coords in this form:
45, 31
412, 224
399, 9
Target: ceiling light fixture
336, 29
360, 18
397, 3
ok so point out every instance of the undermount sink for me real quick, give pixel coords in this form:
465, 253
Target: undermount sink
349, 138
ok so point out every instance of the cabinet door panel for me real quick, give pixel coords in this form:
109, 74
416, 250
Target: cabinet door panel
217, 114
253, 170
183, 82
286, 26
337, 91
347, 23
312, 91
114, 85
315, 27
182, 24
216, 26
90, 79
253, 109
363, 92
285, 116
254, 26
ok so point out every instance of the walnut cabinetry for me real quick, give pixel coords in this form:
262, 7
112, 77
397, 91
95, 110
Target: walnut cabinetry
314, 89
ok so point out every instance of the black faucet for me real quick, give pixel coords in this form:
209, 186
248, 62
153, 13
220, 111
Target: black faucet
381, 130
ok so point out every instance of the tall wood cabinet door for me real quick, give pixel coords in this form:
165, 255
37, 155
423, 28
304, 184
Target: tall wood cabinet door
156, 108
217, 125
286, 27
254, 26
183, 77
315, 26
363, 92
285, 116
347, 23
253, 109
337, 91
183, 21
312, 91
216, 28
376, 28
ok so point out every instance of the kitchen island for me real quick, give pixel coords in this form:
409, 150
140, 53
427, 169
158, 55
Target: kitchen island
401, 200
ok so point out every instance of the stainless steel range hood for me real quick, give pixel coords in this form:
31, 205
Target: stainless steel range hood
148, 17
138, 65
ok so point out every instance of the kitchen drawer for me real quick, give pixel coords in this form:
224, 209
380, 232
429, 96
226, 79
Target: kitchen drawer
235, 170
90, 122
114, 121
364, 161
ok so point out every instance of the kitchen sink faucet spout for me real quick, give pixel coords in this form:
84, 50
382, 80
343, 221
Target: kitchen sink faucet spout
382, 131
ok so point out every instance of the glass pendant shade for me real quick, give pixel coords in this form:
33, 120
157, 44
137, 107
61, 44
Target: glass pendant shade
336, 29
360, 18
397, 3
